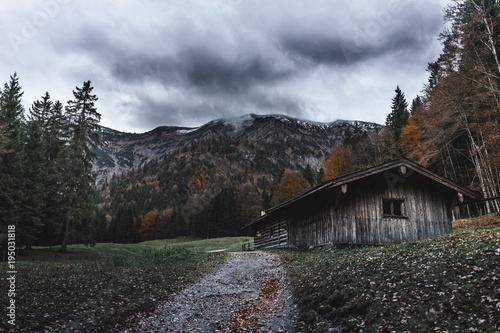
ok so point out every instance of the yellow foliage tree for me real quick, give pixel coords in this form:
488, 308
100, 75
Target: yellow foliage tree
292, 184
146, 228
339, 162
198, 180
411, 139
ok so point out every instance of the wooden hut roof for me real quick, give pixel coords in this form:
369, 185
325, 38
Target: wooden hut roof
361, 174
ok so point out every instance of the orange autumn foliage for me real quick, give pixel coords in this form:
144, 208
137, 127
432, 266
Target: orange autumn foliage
291, 185
198, 180
146, 228
339, 162
411, 139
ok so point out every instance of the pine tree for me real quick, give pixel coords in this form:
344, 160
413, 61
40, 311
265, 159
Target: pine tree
54, 141
398, 117
266, 199
55, 123
320, 176
415, 104
128, 225
308, 174
353, 138
3, 138
223, 215
178, 225
11, 159
40, 110
101, 233
82, 134
34, 193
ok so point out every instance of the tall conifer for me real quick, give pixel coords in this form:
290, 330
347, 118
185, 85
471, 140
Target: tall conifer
40, 109
51, 115
34, 197
82, 134
398, 117
11, 158
395, 121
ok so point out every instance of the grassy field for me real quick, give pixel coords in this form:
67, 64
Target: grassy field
445, 284
232, 244
96, 288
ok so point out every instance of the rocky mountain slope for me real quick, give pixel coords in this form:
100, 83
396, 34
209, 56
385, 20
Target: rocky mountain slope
207, 181
275, 140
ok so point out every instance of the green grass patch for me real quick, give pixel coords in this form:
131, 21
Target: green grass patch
449, 283
101, 287
231, 244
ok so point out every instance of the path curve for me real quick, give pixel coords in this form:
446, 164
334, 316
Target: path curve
249, 293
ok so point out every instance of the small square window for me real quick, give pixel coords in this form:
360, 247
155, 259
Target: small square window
393, 207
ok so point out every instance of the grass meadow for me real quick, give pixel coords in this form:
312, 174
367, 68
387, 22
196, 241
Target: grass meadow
449, 283
99, 288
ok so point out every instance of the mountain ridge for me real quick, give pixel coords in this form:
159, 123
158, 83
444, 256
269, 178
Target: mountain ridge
122, 152
247, 116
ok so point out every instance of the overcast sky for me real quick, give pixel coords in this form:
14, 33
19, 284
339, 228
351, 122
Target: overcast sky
185, 62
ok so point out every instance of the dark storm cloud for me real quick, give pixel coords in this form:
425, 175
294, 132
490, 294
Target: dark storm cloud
210, 84
274, 101
156, 113
140, 68
153, 112
189, 61
316, 50
209, 71
204, 70
386, 32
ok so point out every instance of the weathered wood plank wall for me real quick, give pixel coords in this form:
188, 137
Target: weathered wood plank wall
272, 235
357, 216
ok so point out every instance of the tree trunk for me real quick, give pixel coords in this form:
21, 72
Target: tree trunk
64, 244
489, 32
475, 152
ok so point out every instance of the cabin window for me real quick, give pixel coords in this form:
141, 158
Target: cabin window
271, 232
393, 207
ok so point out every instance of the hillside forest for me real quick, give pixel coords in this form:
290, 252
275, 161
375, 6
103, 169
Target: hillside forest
213, 187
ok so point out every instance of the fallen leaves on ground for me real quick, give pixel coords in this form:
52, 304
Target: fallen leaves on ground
97, 295
445, 284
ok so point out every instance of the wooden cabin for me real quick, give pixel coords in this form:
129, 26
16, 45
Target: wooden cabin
394, 202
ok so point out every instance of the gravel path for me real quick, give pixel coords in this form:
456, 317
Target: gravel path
249, 293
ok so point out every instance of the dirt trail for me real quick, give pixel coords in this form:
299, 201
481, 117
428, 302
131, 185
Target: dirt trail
249, 293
